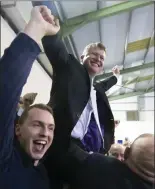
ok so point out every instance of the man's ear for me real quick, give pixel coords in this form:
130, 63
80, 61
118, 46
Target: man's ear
17, 130
127, 153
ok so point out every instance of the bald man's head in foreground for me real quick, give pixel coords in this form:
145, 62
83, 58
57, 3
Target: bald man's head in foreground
140, 156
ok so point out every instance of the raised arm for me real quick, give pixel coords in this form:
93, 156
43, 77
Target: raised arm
55, 51
108, 83
15, 66
111, 81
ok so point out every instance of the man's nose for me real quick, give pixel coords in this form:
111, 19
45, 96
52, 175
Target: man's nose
119, 158
44, 131
98, 57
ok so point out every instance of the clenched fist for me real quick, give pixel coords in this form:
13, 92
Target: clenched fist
42, 23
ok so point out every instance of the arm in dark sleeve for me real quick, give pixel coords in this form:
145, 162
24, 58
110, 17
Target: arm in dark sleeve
55, 51
15, 66
108, 83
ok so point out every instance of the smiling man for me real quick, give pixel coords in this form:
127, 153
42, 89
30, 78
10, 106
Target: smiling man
82, 113
21, 155
35, 131
81, 107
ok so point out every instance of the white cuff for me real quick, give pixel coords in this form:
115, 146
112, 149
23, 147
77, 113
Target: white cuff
116, 75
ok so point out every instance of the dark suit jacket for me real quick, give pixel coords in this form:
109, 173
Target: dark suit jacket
69, 95
71, 91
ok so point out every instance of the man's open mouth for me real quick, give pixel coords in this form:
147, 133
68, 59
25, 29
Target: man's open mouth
39, 144
95, 64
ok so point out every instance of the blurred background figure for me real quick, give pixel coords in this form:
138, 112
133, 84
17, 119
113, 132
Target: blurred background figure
117, 122
25, 102
28, 99
127, 142
117, 151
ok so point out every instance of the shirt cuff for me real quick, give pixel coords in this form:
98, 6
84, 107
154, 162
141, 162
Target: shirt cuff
117, 76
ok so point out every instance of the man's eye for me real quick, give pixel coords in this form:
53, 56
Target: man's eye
51, 128
36, 125
115, 154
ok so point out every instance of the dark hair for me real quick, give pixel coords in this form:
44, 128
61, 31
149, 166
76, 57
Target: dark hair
38, 106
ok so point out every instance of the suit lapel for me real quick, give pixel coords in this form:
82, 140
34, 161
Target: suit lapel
100, 93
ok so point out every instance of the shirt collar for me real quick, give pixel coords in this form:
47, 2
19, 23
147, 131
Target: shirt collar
91, 80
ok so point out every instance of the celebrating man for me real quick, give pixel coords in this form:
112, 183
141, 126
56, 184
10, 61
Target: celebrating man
20, 156
80, 107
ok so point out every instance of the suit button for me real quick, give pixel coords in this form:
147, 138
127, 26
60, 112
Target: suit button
78, 115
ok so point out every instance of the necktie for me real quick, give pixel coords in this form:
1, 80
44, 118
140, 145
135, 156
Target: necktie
92, 140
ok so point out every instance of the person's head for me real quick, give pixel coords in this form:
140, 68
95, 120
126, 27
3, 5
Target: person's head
93, 58
35, 130
140, 156
28, 99
117, 151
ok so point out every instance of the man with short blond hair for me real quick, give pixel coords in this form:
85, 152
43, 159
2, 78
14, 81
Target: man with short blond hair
80, 105
81, 108
92, 45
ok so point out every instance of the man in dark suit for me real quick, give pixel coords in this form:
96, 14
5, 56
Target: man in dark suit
80, 107
81, 169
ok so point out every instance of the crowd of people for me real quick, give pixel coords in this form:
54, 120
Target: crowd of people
69, 142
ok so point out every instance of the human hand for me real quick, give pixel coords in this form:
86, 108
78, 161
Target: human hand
42, 23
116, 70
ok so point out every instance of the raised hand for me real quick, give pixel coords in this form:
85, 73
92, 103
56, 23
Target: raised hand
42, 23
42, 15
116, 70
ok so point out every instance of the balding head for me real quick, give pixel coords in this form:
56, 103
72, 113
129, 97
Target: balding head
140, 156
117, 151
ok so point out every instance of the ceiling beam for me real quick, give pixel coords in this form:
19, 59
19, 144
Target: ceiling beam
138, 80
126, 71
127, 95
132, 81
99, 22
149, 45
72, 24
127, 38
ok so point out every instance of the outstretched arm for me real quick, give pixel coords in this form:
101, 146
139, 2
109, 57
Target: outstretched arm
15, 66
108, 83
111, 81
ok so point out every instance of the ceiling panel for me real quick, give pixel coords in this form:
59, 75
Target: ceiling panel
114, 31
142, 86
110, 3
85, 35
149, 71
150, 55
76, 8
134, 57
142, 23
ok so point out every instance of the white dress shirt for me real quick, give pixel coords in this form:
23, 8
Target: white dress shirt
81, 127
